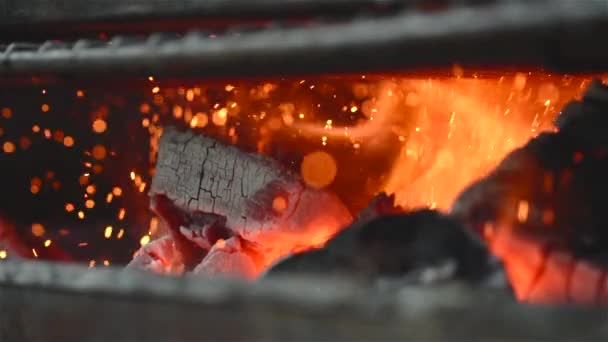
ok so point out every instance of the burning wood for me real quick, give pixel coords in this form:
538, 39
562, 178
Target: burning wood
417, 247
543, 211
239, 210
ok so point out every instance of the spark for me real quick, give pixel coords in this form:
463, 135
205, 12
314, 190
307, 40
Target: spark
47, 243
144, 240
81, 215
522, 211
3, 254
121, 214
120, 234
155, 90
108, 232
34, 252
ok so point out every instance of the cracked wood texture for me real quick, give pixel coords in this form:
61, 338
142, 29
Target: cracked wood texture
53, 302
201, 174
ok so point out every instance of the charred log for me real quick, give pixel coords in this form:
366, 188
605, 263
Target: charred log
221, 200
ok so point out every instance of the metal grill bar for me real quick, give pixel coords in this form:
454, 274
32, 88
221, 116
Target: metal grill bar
64, 11
556, 34
110, 305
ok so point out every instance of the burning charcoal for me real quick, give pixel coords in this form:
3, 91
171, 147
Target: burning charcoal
160, 256
228, 258
208, 192
543, 209
420, 246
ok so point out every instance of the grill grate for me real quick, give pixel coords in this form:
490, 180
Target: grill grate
559, 36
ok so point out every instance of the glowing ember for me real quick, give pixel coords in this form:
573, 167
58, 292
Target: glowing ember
108, 232
3, 254
144, 240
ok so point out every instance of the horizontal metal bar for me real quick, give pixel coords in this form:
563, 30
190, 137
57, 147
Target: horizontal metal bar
560, 34
65, 11
49, 302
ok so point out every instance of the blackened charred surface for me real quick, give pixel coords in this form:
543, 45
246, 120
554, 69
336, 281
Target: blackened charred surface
397, 246
561, 178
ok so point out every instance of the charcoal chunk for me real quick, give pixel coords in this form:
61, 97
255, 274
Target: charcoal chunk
405, 246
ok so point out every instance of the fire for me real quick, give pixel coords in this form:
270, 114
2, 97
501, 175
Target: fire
445, 131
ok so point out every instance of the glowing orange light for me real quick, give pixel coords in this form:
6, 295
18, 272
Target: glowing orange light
69, 207
99, 126
3, 254
109, 197
90, 204
144, 240
117, 191
7, 113
121, 214
279, 204
45, 108
35, 128
34, 252
106, 263
319, 169
99, 152
68, 141
37, 229
80, 93
220, 117
107, 233
120, 234
155, 90
91, 189
8, 147
522, 211
190, 95
91, 263
81, 215
132, 175
47, 243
